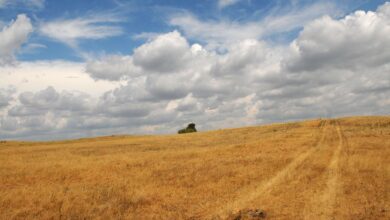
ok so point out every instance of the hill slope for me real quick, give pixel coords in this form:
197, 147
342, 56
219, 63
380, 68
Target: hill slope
319, 169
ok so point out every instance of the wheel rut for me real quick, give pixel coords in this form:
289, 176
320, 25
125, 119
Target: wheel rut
248, 195
323, 203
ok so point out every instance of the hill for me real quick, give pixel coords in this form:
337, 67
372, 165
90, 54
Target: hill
317, 169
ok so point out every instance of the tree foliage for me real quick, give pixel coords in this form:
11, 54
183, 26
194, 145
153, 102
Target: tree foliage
189, 129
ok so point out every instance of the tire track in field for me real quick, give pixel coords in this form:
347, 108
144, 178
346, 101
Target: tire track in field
322, 205
287, 172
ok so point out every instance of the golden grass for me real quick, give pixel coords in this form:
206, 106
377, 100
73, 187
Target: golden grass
318, 169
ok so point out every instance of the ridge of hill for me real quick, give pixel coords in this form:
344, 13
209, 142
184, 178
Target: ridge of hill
314, 169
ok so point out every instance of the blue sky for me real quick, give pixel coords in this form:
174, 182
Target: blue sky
72, 69
136, 17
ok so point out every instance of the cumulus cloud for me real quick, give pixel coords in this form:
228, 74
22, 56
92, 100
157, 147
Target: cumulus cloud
187, 104
254, 81
168, 87
6, 96
165, 53
112, 67
12, 37
335, 67
45, 111
240, 58
71, 31
49, 99
358, 40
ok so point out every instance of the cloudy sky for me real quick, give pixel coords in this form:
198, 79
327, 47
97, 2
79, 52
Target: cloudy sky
72, 69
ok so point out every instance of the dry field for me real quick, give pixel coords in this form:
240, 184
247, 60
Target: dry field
318, 169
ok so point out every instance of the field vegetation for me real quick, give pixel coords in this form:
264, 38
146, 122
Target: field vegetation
316, 169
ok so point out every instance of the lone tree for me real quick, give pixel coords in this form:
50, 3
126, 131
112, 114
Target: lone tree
190, 128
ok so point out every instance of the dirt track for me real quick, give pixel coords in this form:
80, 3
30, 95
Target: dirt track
280, 177
321, 188
319, 169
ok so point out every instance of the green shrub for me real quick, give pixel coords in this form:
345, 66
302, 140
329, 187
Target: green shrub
190, 128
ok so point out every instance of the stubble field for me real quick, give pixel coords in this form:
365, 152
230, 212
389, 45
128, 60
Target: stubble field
317, 169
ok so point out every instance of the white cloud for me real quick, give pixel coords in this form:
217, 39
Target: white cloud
36, 3
45, 111
241, 58
221, 31
168, 87
3, 3
30, 48
30, 4
50, 99
112, 67
251, 82
62, 75
6, 96
71, 31
358, 40
186, 104
226, 3
215, 31
296, 17
166, 53
12, 37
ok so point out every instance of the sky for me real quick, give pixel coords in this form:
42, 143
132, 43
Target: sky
72, 69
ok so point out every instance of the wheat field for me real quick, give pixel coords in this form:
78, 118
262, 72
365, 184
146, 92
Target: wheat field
315, 169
